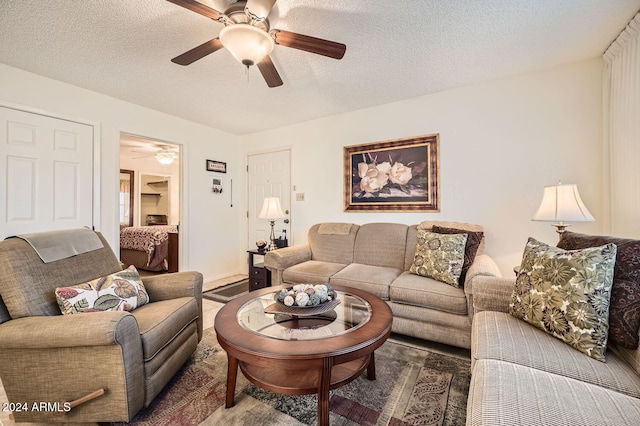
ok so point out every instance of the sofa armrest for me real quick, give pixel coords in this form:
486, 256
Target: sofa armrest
70, 331
483, 265
492, 294
175, 285
278, 260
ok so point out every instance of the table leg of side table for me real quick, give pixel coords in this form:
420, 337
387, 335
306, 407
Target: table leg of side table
232, 374
323, 392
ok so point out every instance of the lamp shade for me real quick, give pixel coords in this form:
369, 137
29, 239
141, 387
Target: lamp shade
271, 209
562, 203
246, 43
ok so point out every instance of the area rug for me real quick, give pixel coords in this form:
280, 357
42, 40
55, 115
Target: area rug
228, 292
413, 387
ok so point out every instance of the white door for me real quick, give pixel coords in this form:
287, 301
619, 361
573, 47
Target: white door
269, 175
46, 173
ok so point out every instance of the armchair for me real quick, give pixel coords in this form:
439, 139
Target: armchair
49, 358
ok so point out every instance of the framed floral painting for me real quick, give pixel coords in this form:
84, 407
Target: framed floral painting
399, 175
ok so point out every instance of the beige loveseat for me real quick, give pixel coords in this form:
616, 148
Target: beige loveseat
47, 358
377, 257
523, 376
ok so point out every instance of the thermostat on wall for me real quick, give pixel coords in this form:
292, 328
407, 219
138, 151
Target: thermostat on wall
217, 186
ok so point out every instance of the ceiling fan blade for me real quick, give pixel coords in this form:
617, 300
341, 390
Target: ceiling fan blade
309, 44
259, 9
269, 72
199, 52
200, 8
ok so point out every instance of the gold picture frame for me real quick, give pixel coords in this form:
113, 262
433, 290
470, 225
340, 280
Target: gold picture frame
401, 175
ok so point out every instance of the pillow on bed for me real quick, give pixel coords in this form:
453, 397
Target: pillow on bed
122, 291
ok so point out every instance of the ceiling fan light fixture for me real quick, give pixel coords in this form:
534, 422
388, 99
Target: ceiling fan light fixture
248, 44
165, 158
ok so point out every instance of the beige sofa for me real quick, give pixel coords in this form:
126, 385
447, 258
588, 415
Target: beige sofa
376, 257
524, 376
47, 358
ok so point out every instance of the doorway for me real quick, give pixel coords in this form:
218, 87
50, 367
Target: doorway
156, 172
269, 175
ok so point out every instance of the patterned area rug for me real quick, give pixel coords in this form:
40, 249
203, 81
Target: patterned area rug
413, 387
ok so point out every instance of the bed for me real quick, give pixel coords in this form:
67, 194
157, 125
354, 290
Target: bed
150, 248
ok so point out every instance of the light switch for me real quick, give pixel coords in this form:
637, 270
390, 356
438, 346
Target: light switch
300, 196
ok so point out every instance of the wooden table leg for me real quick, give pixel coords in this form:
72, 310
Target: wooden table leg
323, 392
371, 368
232, 374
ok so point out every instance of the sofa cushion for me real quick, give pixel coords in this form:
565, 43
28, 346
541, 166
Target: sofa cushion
439, 256
122, 291
381, 244
428, 293
311, 272
331, 246
161, 322
428, 225
566, 293
502, 393
471, 248
624, 311
373, 279
497, 335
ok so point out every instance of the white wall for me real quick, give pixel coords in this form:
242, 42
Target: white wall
209, 226
500, 144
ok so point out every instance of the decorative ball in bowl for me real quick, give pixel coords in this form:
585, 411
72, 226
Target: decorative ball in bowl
305, 295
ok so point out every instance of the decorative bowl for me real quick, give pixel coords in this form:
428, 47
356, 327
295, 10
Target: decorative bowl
305, 296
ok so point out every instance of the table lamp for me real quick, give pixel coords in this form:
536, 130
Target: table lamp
562, 203
271, 211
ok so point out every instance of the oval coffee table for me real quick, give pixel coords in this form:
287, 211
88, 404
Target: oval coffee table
302, 355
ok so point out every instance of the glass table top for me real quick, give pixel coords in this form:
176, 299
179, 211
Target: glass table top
351, 313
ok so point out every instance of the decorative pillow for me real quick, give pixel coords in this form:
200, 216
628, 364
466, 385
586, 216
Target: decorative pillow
439, 256
624, 313
122, 291
566, 293
473, 242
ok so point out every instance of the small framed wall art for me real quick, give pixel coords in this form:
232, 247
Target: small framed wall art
401, 175
216, 166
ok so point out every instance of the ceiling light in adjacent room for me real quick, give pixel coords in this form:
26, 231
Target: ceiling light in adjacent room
165, 157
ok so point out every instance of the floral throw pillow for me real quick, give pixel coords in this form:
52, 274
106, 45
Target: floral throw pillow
567, 293
473, 243
122, 291
439, 256
624, 314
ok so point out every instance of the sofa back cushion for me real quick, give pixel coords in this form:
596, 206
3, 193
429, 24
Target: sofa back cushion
381, 244
27, 285
333, 242
412, 233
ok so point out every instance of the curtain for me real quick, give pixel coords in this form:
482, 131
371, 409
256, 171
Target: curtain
124, 185
621, 127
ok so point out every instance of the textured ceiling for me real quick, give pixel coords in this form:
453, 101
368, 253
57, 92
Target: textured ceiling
395, 50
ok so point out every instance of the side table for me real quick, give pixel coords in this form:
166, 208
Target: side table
259, 276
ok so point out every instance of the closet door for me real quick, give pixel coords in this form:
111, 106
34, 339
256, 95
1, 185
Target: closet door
46, 173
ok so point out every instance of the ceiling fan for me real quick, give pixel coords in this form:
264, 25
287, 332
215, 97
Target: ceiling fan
250, 40
163, 153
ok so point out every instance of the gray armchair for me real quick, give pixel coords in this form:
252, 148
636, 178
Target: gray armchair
48, 357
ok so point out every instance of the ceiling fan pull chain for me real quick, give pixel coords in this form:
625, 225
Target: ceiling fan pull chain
246, 71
